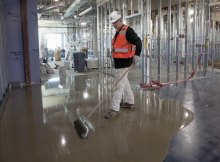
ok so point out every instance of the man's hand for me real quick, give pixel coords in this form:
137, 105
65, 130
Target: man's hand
136, 59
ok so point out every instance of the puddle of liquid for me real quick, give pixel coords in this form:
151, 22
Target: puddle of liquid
142, 134
32, 131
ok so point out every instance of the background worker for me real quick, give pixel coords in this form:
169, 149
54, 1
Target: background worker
126, 49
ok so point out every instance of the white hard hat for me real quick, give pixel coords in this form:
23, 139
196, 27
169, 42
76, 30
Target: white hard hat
114, 16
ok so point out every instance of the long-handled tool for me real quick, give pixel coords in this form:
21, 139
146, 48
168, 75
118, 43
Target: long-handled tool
82, 124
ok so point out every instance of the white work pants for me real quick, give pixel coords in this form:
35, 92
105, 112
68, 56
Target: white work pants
122, 88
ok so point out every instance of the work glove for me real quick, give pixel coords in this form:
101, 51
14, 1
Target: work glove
136, 59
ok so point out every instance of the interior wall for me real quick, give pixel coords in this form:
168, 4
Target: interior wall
3, 58
14, 43
33, 41
14, 40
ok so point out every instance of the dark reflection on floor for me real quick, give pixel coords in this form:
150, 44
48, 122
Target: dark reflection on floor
38, 127
199, 141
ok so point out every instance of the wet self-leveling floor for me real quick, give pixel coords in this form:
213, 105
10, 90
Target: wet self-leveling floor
37, 124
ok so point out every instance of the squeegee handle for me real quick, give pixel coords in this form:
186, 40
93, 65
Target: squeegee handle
113, 87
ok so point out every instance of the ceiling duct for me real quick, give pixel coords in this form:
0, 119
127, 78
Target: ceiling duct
85, 11
50, 7
75, 6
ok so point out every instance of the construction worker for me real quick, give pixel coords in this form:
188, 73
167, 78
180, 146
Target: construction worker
126, 49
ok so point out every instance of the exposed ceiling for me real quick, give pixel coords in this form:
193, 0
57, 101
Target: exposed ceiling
76, 11
66, 11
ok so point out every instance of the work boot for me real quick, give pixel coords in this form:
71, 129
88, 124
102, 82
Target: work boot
121, 103
126, 105
111, 114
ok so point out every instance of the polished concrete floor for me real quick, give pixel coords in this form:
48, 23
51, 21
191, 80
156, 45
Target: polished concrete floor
37, 124
200, 140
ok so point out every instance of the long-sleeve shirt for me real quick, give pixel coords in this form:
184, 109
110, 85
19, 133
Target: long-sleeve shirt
133, 38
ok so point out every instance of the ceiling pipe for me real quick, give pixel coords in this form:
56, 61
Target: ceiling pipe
50, 7
75, 6
85, 11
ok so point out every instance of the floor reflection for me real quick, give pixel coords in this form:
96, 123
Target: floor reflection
142, 134
37, 124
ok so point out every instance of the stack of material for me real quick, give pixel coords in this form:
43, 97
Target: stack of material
216, 64
57, 55
85, 50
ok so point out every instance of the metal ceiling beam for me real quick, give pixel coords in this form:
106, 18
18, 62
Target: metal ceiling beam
75, 6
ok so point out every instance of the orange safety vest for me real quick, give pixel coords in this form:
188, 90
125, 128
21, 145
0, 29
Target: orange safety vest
121, 48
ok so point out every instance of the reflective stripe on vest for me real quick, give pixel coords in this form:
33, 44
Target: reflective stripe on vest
121, 50
124, 50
